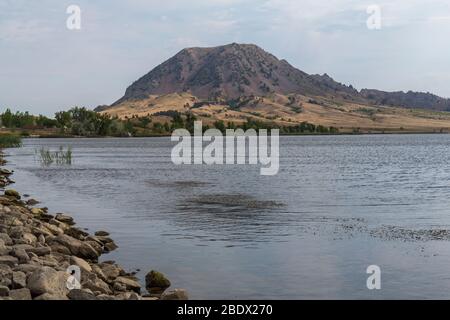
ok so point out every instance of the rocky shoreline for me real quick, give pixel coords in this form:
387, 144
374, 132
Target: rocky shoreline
42, 255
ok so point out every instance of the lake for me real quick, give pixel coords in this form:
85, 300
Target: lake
337, 205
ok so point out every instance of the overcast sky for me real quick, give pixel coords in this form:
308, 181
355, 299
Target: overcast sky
45, 67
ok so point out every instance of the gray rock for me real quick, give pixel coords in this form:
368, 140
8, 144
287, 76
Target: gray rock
29, 238
97, 285
80, 294
77, 247
83, 264
111, 271
6, 239
40, 251
48, 296
21, 255
3, 249
47, 280
156, 282
27, 268
19, 280
32, 202
12, 193
119, 287
101, 233
20, 294
9, 261
177, 294
128, 296
64, 218
110, 246
4, 291
77, 233
129, 283
105, 297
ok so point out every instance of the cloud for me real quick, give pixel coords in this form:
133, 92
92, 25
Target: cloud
122, 40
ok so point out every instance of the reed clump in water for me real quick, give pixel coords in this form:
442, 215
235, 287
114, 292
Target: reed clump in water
59, 157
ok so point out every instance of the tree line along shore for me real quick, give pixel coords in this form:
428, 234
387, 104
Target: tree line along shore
81, 122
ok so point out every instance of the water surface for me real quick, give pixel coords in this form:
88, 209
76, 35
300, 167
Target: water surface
338, 205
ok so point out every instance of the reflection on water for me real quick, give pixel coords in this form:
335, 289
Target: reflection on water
338, 204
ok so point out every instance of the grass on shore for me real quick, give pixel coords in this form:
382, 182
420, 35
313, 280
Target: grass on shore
10, 141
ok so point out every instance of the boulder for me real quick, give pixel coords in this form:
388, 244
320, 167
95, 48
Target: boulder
77, 247
47, 280
156, 282
97, 286
19, 280
4, 291
6, 239
36, 211
9, 261
119, 287
130, 284
101, 233
20, 254
32, 202
83, 264
29, 238
40, 251
20, 294
81, 294
27, 268
77, 233
128, 296
111, 271
48, 296
177, 294
64, 218
3, 249
110, 246
12, 193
